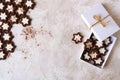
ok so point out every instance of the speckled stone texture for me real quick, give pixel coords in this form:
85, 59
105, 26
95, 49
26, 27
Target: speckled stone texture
47, 51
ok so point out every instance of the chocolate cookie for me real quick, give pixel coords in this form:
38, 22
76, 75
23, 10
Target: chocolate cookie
25, 21
88, 44
99, 44
3, 16
9, 47
6, 36
6, 26
77, 38
103, 50
86, 56
99, 61
94, 53
107, 41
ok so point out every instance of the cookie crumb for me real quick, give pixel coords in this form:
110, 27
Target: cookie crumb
28, 33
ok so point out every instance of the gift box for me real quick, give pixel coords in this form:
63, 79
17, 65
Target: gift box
100, 22
102, 51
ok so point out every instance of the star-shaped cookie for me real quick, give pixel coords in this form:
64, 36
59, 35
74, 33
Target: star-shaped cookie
3, 16
108, 41
103, 50
29, 4
6, 26
26, 21
94, 53
88, 44
77, 38
9, 47
7, 36
86, 56
99, 61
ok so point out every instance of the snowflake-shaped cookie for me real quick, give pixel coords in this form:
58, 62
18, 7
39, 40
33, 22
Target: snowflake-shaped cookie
10, 9
25, 21
6, 26
99, 44
7, 36
88, 44
99, 61
13, 19
107, 41
29, 4
20, 11
86, 56
103, 50
77, 38
94, 53
3, 16
9, 47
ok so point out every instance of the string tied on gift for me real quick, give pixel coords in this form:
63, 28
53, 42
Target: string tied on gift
100, 20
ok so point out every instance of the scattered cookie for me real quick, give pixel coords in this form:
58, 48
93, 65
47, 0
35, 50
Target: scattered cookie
103, 51
108, 41
77, 38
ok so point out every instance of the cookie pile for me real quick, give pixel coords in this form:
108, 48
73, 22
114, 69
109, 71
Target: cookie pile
12, 12
95, 51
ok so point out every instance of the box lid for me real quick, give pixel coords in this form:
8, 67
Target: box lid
101, 32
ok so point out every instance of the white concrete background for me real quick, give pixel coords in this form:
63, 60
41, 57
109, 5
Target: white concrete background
51, 55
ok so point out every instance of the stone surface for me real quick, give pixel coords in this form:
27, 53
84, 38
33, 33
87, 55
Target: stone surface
48, 52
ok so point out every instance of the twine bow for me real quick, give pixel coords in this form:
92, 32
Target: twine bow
99, 19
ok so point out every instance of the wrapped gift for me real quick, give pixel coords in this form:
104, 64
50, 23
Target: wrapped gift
100, 22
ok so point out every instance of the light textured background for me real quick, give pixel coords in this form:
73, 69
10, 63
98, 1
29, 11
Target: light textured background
50, 54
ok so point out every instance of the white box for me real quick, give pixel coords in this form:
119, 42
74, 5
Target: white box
99, 31
110, 47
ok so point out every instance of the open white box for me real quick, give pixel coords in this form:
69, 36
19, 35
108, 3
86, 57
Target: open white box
108, 53
100, 32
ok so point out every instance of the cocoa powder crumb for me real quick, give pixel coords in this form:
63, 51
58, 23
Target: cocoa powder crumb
28, 33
